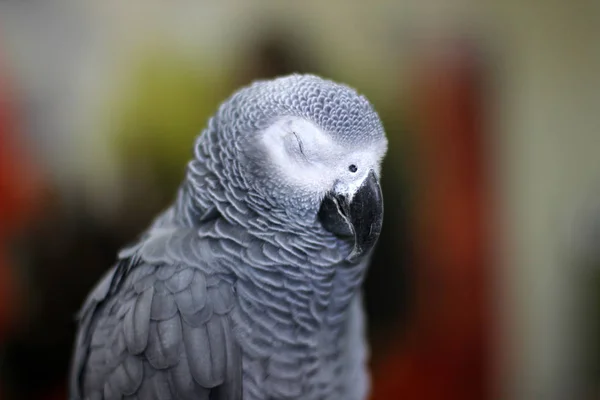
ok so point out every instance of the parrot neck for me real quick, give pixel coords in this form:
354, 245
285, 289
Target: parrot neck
266, 244
294, 287
288, 242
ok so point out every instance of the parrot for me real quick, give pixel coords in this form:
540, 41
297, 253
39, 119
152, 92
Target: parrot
248, 285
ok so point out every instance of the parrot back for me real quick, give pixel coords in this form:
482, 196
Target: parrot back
158, 326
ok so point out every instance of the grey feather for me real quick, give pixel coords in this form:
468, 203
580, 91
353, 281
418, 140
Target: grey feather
236, 291
161, 328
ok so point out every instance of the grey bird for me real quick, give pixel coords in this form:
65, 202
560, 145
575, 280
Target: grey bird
249, 285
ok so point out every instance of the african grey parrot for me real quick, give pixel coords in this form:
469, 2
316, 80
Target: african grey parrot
248, 286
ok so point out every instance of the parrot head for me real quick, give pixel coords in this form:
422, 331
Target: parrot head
310, 147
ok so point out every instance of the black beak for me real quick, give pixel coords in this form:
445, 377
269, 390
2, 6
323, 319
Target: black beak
360, 218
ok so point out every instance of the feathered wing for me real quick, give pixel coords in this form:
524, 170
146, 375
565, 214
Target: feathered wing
158, 327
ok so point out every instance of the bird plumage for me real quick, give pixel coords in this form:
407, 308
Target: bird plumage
237, 291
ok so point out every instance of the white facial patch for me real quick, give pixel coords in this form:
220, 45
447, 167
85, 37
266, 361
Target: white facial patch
310, 159
364, 160
295, 146
350, 186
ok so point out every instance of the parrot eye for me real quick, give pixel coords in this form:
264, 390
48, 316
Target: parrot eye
352, 168
300, 145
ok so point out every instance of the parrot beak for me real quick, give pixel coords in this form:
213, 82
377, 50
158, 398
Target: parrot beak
360, 218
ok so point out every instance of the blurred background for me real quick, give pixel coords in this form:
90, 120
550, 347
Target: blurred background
486, 280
